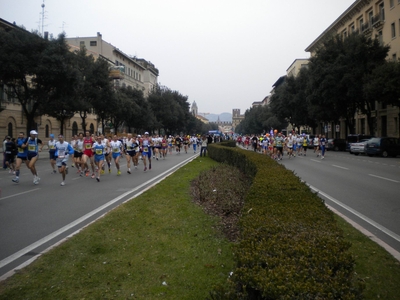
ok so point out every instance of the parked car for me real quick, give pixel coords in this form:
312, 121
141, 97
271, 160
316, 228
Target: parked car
355, 138
359, 148
384, 146
336, 144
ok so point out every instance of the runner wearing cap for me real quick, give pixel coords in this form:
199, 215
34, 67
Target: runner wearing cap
32, 144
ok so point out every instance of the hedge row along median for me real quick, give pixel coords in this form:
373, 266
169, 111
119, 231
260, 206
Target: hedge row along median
290, 246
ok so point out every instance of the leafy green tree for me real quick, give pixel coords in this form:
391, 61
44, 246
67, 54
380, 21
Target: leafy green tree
336, 77
289, 103
94, 84
60, 103
34, 70
171, 110
382, 84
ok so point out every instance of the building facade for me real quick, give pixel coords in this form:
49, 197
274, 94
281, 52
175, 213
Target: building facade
136, 73
236, 118
376, 19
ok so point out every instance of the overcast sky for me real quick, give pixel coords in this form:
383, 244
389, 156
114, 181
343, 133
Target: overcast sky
223, 54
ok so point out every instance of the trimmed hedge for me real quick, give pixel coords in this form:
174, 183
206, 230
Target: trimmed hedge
290, 246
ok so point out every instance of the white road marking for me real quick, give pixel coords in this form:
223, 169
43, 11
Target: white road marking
356, 213
19, 194
318, 161
340, 167
56, 233
376, 176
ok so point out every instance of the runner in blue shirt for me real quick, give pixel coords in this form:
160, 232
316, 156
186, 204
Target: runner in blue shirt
32, 144
99, 149
21, 156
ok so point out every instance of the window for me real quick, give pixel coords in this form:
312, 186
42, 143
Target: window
74, 128
370, 16
82, 43
10, 129
394, 57
393, 28
382, 11
391, 3
379, 37
344, 33
93, 43
46, 130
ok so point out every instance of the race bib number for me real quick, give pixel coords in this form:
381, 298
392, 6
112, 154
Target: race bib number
145, 149
99, 151
88, 146
115, 150
52, 147
61, 154
31, 148
20, 150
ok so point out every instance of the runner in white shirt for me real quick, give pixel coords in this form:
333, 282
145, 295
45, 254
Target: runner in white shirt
52, 150
289, 144
130, 151
117, 149
63, 150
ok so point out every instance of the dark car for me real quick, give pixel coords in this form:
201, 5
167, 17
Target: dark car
355, 138
336, 144
384, 146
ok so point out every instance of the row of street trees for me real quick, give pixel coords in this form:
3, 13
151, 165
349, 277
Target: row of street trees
48, 79
346, 76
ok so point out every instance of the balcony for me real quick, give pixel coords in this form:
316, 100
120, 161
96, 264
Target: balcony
366, 28
378, 20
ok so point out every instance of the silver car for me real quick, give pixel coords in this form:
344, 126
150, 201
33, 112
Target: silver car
360, 147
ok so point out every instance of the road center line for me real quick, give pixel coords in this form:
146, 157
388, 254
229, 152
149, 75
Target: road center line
19, 194
318, 161
376, 176
340, 167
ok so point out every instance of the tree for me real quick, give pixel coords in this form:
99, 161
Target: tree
60, 103
94, 84
29, 67
382, 84
337, 74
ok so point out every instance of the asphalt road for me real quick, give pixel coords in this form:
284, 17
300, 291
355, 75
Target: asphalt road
365, 189
35, 217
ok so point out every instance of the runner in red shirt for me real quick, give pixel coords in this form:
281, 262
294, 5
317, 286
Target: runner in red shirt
88, 153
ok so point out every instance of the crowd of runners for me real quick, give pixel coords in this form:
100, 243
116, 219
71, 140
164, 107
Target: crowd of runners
277, 145
93, 156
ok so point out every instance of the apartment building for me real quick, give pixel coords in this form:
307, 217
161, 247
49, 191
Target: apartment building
129, 71
376, 19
